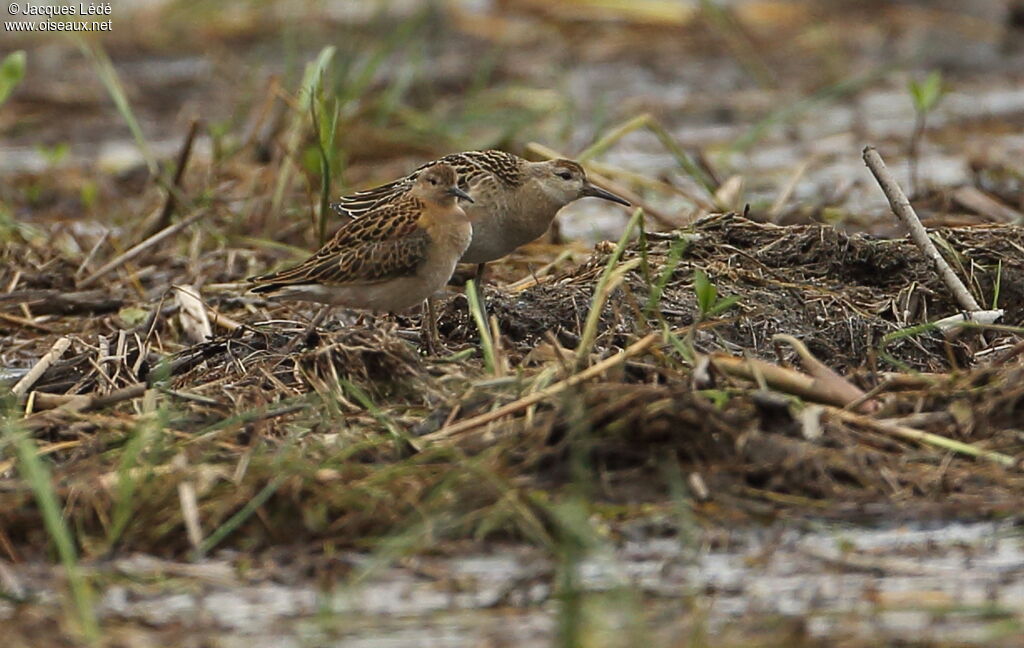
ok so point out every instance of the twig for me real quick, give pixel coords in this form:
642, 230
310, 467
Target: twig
81, 402
315, 322
51, 356
1009, 354
784, 380
141, 247
981, 203
905, 212
21, 321
535, 277
790, 187
51, 301
189, 503
886, 427
448, 432
223, 321
92, 253
164, 218
826, 379
955, 322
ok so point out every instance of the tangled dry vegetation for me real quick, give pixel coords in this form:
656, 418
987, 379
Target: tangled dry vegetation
168, 444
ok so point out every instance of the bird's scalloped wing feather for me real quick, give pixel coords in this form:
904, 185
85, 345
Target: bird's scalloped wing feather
468, 166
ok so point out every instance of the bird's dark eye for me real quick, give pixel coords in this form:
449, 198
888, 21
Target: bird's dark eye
565, 175
432, 181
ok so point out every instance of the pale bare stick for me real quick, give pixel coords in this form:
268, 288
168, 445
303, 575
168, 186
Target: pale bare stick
956, 322
141, 247
444, 433
905, 212
51, 356
194, 319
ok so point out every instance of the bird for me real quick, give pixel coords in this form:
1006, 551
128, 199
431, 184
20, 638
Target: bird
513, 200
394, 257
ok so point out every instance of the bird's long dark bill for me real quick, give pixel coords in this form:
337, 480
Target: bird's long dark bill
455, 191
598, 192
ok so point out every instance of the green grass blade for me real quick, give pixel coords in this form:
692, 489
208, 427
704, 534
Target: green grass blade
476, 309
236, 520
675, 255
112, 82
34, 471
788, 113
601, 290
12, 71
311, 78
998, 285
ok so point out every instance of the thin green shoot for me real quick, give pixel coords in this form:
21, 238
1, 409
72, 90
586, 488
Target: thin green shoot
603, 288
112, 82
913, 331
458, 356
647, 121
722, 21
12, 71
476, 309
55, 154
644, 245
927, 93
997, 288
325, 128
359, 77
683, 159
612, 136
232, 523
790, 112
925, 96
708, 302
957, 259
310, 79
34, 471
675, 255
233, 422
126, 478
684, 349
364, 399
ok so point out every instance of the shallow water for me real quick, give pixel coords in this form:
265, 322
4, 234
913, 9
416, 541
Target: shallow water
951, 582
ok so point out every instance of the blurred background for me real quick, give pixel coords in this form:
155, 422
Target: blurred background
694, 106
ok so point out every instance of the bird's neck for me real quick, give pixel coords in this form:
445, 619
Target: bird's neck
532, 202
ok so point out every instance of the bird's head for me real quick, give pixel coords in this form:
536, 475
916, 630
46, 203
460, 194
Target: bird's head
564, 181
439, 183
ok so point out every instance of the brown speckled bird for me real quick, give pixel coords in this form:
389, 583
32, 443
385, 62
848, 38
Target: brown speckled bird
513, 200
394, 257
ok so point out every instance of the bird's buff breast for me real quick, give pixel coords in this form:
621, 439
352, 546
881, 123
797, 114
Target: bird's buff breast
497, 230
398, 293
